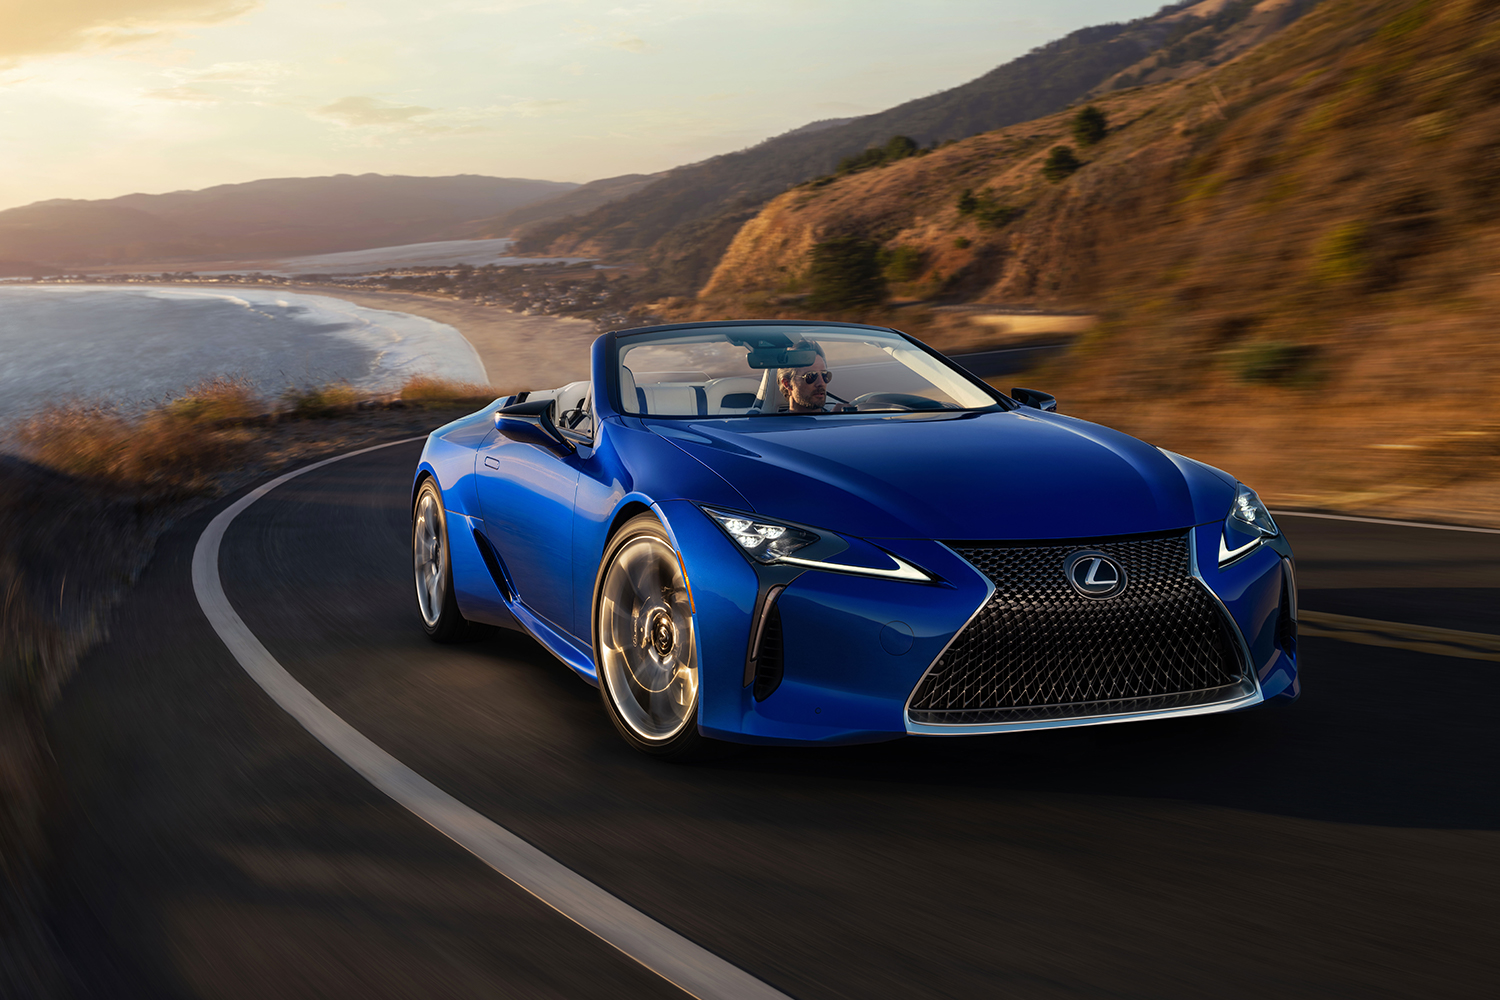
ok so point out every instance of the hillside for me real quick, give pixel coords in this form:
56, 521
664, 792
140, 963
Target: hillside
581, 199
679, 224
284, 216
1296, 255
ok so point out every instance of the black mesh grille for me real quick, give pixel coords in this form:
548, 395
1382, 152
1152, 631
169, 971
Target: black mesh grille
1040, 650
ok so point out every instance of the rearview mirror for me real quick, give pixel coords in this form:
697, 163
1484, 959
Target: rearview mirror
761, 358
1034, 399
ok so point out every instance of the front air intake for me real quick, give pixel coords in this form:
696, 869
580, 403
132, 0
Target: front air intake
1040, 650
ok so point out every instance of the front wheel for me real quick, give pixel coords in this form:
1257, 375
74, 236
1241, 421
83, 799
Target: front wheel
433, 569
645, 647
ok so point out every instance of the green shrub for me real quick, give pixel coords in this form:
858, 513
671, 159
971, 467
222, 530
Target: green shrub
1342, 253
962, 242
1061, 164
1090, 126
897, 147
1275, 361
986, 209
845, 273
902, 263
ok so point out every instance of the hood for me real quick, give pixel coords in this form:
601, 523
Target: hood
1001, 475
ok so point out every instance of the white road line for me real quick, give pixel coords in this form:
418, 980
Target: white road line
694, 969
1380, 520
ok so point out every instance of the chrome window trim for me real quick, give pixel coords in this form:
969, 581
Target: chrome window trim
1243, 648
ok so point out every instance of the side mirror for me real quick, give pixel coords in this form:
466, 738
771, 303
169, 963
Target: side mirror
535, 413
1034, 399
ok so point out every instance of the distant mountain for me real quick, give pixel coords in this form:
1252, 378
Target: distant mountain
693, 209
279, 217
583, 198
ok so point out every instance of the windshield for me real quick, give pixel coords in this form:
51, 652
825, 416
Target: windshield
791, 369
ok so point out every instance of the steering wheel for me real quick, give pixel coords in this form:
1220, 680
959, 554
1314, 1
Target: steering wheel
904, 400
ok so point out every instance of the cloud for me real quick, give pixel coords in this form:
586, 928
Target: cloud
186, 95
357, 112
630, 43
539, 107
35, 28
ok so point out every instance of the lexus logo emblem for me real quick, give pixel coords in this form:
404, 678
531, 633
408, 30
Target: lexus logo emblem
1094, 574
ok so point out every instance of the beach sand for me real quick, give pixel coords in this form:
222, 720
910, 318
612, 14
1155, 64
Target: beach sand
519, 352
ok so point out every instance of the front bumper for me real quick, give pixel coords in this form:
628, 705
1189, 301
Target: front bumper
855, 648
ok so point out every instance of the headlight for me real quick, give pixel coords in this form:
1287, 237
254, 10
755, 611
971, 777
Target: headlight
763, 541
774, 542
1248, 524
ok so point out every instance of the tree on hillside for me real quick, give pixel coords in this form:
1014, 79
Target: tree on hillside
899, 147
1090, 126
846, 273
1061, 164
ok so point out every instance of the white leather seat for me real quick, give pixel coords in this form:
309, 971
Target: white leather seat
673, 399
733, 394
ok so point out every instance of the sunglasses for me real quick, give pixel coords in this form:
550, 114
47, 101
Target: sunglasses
809, 378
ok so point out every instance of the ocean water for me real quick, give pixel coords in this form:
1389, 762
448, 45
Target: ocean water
132, 345
477, 253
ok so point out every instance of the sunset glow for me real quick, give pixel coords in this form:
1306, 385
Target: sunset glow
108, 97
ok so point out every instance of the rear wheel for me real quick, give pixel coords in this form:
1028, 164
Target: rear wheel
645, 647
433, 569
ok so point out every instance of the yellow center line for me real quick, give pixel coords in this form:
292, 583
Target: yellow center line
1398, 635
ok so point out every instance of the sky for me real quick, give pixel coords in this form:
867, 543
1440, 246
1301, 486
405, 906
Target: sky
100, 98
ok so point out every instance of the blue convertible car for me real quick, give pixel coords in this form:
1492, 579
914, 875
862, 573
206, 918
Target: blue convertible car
792, 532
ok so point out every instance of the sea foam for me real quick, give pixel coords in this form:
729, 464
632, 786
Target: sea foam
134, 344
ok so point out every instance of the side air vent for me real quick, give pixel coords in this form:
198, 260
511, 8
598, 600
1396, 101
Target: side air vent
492, 563
1286, 622
763, 660
769, 660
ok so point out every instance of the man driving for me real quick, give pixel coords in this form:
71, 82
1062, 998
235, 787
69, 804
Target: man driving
806, 389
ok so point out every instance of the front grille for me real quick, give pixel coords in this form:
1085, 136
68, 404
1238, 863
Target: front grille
1039, 650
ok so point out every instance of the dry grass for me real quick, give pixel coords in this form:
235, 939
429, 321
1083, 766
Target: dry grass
181, 447
429, 390
330, 400
175, 448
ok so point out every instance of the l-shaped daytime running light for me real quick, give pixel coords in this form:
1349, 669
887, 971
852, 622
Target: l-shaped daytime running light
773, 542
1247, 525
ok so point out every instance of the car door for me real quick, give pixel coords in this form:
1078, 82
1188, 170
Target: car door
527, 482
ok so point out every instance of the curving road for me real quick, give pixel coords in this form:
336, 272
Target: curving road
1345, 845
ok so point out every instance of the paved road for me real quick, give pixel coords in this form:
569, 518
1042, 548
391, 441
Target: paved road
1345, 845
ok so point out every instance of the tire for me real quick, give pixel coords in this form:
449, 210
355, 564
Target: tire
645, 647
433, 571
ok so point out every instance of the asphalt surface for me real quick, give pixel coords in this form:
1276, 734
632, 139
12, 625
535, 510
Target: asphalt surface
1345, 845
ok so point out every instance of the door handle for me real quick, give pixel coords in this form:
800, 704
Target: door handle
492, 463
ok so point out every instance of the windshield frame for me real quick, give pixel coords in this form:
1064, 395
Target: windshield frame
611, 368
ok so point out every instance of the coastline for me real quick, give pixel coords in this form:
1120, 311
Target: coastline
518, 352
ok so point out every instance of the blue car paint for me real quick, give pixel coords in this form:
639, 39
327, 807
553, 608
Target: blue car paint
627, 454
948, 476
903, 482
526, 500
